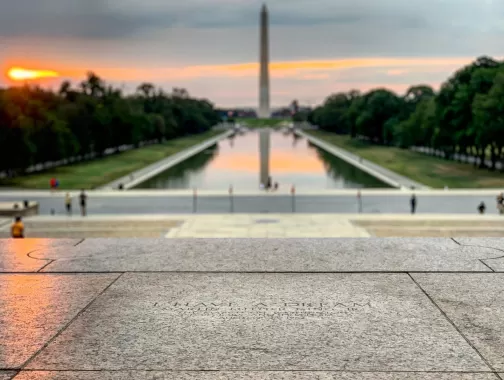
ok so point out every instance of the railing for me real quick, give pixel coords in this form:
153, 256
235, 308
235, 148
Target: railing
281, 202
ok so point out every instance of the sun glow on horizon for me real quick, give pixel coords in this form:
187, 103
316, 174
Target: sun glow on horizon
20, 74
301, 69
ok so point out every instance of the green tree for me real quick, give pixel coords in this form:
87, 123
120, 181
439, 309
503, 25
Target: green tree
379, 116
418, 129
454, 106
488, 119
39, 126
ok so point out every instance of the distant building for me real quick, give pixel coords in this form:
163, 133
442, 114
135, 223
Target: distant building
230, 113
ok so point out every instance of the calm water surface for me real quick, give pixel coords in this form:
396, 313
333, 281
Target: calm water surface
235, 162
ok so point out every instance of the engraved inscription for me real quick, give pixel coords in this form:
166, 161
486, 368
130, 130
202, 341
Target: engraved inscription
227, 310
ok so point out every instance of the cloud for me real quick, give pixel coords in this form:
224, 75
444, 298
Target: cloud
320, 76
121, 19
396, 72
211, 46
72, 18
168, 33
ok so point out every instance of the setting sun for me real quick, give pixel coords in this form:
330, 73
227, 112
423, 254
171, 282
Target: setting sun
17, 73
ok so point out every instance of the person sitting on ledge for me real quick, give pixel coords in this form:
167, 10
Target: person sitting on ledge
17, 229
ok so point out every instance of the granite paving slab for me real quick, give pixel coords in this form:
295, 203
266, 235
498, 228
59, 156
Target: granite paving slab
155, 375
269, 255
34, 307
258, 321
27, 255
475, 303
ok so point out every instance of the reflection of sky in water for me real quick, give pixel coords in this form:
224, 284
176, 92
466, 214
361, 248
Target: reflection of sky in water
236, 162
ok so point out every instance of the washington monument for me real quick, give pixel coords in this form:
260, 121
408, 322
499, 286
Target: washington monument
264, 90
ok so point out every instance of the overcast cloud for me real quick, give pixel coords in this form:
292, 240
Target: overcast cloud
126, 18
149, 34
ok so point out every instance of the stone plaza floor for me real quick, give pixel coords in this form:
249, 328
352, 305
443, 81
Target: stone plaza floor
277, 309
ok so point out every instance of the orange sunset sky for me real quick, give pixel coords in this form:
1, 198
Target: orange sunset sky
210, 47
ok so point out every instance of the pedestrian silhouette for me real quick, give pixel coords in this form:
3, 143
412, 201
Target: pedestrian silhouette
482, 208
413, 203
68, 204
83, 202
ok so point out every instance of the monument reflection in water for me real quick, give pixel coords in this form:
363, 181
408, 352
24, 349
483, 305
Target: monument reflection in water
236, 162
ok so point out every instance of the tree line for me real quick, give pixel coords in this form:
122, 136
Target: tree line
465, 117
39, 126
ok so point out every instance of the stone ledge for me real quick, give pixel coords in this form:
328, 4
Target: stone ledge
12, 209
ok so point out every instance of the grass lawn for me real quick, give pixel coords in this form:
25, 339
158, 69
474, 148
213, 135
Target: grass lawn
89, 175
431, 171
259, 123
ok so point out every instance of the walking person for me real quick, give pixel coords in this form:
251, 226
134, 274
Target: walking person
68, 204
413, 203
17, 229
482, 208
83, 202
54, 184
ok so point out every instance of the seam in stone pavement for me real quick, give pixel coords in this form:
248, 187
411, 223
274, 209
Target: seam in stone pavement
35, 258
251, 272
456, 242
49, 263
455, 327
480, 260
248, 370
485, 259
481, 246
488, 266
60, 331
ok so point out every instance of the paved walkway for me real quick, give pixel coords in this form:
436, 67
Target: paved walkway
276, 309
385, 175
142, 175
266, 226
335, 226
